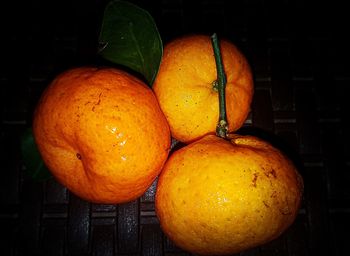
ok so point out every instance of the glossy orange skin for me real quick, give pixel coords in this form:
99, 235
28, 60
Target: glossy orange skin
102, 134
184, 87
218, 197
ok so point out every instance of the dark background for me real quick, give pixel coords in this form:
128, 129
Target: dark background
299, 55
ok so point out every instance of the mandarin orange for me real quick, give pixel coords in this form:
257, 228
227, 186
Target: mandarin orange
218, 197
101, 133
185, 87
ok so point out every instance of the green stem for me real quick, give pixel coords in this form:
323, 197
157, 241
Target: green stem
220, 83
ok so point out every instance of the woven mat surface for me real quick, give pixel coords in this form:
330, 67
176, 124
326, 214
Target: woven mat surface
300, 58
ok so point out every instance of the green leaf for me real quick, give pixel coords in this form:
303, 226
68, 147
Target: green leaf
129, 37
33, 162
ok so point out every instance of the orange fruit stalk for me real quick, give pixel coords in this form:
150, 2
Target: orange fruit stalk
222, 127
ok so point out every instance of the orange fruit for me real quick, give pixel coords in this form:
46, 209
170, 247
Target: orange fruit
101, 133
217, 197
184, 86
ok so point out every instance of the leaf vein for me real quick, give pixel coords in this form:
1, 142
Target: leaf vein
137, 47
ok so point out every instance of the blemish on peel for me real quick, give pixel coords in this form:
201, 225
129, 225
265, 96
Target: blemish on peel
274, 194
273, 173
99, 99
123, 158
78, 156
255, 177
285, 211
266, 205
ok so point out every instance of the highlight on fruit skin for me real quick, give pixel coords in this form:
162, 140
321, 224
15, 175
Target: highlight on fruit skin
186, 91
219, 197
101, 133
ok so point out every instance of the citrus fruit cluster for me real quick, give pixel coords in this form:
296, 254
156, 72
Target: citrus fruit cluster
218, 196
106, 136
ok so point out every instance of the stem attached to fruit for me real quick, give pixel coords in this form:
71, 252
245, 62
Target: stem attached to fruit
220, 84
